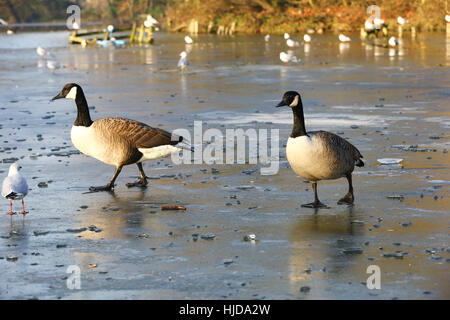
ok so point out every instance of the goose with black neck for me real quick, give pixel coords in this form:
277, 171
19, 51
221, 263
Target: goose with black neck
318, 155
117, 141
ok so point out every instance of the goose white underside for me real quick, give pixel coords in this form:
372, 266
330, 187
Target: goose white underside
157, 152
92, 144
307, 157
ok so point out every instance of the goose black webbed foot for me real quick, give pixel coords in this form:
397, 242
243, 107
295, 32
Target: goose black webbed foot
141, 183
316, 204
347, 199
108, 187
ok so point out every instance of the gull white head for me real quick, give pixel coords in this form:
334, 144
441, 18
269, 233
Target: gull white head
307, 38
286, 36
183, 54
14, 169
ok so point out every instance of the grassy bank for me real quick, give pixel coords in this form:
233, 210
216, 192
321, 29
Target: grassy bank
245, 16
265, 16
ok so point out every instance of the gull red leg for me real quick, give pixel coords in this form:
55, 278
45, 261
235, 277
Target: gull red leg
23, 209
10, 210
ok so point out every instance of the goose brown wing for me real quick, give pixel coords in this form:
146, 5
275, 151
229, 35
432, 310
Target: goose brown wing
338, 143
139, 134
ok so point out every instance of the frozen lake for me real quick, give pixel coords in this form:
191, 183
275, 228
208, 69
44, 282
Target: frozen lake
389, 103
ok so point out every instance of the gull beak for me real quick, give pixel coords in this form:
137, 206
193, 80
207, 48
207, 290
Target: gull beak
59, 96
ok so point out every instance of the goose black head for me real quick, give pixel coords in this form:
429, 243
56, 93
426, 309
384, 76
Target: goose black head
291, 99
70, 91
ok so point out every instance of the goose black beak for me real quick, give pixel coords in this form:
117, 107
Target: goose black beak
281, 104
59, 96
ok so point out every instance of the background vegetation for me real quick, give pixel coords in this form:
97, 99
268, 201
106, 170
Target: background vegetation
249, 16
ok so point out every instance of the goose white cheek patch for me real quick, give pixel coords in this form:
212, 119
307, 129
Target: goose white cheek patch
72, 93
295, 102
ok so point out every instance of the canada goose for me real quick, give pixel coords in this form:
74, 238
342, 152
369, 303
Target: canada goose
15, 187
183, 62
116, 141
287, 57
188, 40
318, 155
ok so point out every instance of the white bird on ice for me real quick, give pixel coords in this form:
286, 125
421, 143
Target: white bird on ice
286, 36
344, 38
378, 23
53, 65
287, 57
15, 187
41, 51
267, 37
369, 25
401, 21
188, 40
447, 18
393, 42
291, 43
183, 62
307, 38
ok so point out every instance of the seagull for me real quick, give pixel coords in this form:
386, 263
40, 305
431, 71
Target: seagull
344, 38
287, 57
118, 42
188, 40
53, 65
291, 43
401, 21
393, 42
267, 38
117, 141
378, 23
447, 18
286, 36
150, 21
42, 52
369, 26
183, 62
307, 38
15, 187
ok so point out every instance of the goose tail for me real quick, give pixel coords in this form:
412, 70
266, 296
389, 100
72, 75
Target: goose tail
359, 163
